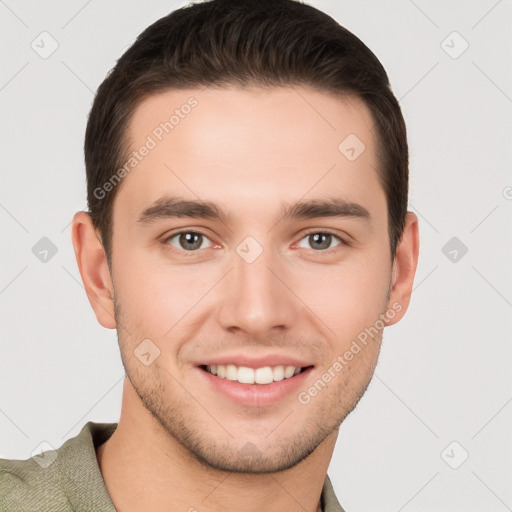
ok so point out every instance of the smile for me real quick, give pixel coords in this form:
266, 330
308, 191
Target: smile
246, 375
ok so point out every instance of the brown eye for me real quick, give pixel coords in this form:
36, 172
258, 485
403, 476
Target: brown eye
188, 240
319, 241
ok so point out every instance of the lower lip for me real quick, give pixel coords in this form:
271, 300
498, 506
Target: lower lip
256, 395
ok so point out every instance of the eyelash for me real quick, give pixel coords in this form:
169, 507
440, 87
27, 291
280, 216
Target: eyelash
175, 250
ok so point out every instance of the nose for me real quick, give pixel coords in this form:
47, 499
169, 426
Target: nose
256, 297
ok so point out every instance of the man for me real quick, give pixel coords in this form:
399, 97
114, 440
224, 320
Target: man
249, 239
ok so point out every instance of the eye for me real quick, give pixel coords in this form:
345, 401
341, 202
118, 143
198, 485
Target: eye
188, 241
320, 240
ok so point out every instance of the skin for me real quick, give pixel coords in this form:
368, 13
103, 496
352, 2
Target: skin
248, 150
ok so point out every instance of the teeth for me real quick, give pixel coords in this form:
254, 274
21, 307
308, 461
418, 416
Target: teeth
231, 372
278, 373
245, 375
289, 371
263, 375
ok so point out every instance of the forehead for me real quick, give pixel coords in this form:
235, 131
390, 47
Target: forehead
240, 145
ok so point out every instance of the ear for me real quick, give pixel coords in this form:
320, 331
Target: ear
404, 269
93, 266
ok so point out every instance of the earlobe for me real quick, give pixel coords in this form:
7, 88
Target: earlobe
404, 268
93, 267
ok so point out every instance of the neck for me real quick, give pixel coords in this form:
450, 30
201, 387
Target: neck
154, 472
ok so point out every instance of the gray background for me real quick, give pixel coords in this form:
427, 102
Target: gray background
444, 374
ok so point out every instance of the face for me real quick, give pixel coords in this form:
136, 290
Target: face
245, 242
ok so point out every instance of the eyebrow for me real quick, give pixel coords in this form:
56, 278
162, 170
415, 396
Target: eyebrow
172, 207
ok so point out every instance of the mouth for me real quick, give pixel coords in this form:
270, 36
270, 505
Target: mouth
262, 376
263, 381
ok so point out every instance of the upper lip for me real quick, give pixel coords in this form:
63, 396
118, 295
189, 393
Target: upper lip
257, 362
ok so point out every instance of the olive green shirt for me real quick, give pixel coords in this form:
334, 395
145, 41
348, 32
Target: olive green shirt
69, 479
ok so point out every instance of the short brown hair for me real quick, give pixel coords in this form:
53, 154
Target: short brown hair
266, 43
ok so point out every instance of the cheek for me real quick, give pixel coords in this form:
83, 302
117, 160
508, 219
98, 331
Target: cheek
154, 294
348, 298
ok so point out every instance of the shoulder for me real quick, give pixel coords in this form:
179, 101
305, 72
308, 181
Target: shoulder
61, 480
26, 485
